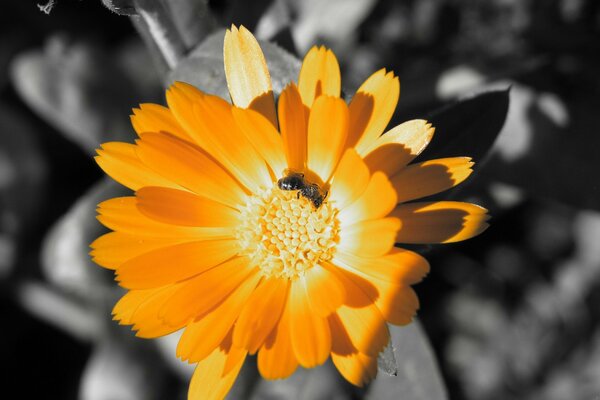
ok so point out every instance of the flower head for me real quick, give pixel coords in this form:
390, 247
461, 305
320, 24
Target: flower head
269, 227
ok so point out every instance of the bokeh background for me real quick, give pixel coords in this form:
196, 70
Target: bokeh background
512, 314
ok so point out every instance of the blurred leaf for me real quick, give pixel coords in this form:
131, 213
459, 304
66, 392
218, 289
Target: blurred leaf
61, 311
23, 170
548, 147
314, 21
418, 374
320, 383
468, 127
386, 362
204, 66
115, 372
193, 19
121, 7
65, 259
79, 89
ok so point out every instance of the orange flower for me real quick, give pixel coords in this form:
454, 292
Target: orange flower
271, 230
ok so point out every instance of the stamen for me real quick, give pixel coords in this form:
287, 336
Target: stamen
285, 235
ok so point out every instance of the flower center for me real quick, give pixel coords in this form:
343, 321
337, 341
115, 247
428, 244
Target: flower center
284, 234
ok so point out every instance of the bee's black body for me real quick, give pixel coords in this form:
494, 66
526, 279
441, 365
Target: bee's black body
296, 181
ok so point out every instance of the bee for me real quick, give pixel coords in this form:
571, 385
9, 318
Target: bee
296, 181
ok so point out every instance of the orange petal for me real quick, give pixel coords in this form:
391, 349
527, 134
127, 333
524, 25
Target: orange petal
310, 335
376, 201
327, 130
264, 137
181, 98
430, 177
140, 308
350, 179
247, 74
203, 335
397, 147
177, 207
210, 380
120, 162
156, 118
174, 263
121, 214
260, 314
201, 293
190, 167
319, 75
362, 320
276, 358
396, 304
324, 290
237, 153
371, 238
114, 248
293, 122
400, 267
357, 368
439, 222
208, 119
371, 108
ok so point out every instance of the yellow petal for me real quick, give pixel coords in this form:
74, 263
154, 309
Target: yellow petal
293, 122
400, 267
397, 147
247, 74
114, 248
156, 118
190, 167
264, 137
260, 314
372, 238
310, 335
121, 214
327, 130
376, 201
200, 294
177, 207
372, 107
357, 368
324, 290
120, 162
276, 358
174, 263
439, 222
209, 381
319, 75
349, 180
363, 322
430, 177
203, 335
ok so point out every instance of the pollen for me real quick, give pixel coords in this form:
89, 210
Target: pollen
285, 235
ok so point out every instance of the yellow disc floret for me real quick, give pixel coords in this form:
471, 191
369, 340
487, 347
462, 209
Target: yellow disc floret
285, 234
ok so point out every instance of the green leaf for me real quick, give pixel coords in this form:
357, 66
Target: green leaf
418, 374
468, 127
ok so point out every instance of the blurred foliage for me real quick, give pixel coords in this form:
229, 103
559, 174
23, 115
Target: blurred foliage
512, 314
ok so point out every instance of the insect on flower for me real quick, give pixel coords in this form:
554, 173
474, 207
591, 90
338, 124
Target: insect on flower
269, 228
296, 181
